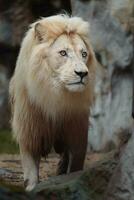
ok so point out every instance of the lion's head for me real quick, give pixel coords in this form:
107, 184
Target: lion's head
67, 57
59, 59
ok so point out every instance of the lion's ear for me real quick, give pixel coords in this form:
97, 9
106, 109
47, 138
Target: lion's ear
39, 32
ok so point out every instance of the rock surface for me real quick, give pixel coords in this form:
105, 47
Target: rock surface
121, 186
111, 28
85, 185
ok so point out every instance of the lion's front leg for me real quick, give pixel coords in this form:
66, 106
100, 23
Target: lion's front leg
30, 166
76, 161
77, 138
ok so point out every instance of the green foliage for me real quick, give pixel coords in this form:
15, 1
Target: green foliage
7, 144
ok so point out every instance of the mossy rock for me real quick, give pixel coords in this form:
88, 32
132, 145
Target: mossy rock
83, 185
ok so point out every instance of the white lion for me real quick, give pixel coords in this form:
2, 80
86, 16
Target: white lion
51, 92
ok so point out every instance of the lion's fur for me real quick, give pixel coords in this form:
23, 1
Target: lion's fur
40, 110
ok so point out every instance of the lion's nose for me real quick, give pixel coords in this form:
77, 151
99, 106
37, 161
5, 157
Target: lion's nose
81, 74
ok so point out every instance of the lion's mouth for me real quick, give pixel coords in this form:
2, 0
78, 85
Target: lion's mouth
76, 83
78, 86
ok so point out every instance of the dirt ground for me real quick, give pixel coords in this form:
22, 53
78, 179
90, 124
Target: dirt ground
11, 170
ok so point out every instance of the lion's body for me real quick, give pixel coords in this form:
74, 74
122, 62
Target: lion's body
48, 110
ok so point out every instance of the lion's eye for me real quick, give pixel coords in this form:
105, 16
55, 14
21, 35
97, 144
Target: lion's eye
63, 53
84, 54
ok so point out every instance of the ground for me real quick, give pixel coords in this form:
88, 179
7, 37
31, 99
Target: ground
11, 170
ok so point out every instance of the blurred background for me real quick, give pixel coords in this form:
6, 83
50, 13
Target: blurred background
111, 34
15, 17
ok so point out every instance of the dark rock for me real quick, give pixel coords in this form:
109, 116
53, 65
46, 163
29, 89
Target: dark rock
5, 31
13, 194
4, 110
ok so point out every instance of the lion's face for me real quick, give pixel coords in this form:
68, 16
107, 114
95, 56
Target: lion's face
67, 58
